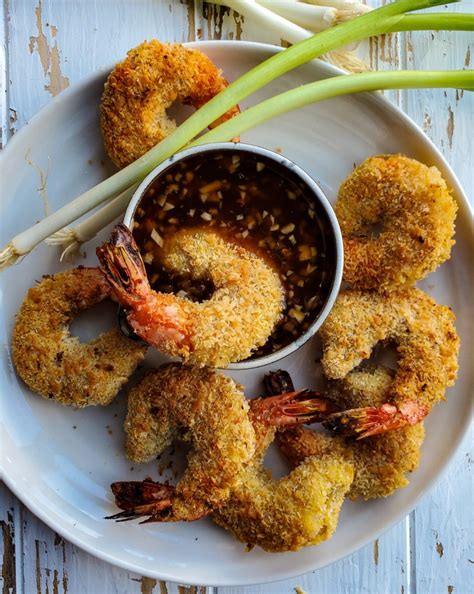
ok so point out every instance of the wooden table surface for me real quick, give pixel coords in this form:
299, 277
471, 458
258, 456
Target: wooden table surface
51, 44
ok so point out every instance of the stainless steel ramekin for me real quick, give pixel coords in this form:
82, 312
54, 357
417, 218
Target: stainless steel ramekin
319, 197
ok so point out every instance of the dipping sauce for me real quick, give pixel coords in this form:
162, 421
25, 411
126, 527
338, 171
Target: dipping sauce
255, 202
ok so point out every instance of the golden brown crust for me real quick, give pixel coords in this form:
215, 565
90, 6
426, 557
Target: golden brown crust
57, 365
247, 302
298, 510
213, 409
225, 473
140, 89
380, 462
423, 331
416, 210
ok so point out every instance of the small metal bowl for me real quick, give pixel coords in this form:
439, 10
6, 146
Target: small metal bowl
334, 233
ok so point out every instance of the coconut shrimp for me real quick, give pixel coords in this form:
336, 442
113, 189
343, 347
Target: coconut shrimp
427, 346
57, 365
246, 305
416, 211
216, 418
140, 90
381, 462
298, 510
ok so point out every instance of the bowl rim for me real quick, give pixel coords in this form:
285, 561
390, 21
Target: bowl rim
319, 195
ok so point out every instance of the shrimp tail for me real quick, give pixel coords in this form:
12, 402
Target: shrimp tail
278, 382
285, 406
371, 420
148, 498
123, 267
142, 498
292, 408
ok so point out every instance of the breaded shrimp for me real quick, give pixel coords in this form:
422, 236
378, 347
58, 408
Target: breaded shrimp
380, 462
140, 89
246, 305
286, 514
212, 409
427, 345
298, 510
416, 211
57, 365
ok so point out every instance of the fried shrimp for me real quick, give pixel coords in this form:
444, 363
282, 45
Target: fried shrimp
416, 211
139, 90
57, 365
380, 462
286, 514
212, 410
298, 510
247, 302
427, 346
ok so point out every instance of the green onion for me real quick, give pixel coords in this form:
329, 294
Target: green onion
71, 239
387, 18
268, 14
334, 87
339, 4
288, 101
314, 18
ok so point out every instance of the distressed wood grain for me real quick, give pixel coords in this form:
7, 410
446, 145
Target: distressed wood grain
441, 528
53, 43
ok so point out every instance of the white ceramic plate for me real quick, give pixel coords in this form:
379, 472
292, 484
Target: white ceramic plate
60, 462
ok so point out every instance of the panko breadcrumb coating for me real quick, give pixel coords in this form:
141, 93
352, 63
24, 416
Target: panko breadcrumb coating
213, 411
289, 513
57, 365
140, 89
380, 462
423, 331
416, 211
222, 476
247, 302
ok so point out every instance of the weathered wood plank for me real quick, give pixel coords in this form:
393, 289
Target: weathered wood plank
378, 567
11, 577
441, 527
442, 531
55, 43
445, 116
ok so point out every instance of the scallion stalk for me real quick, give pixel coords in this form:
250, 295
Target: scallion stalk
71, 239
315, 18
278, 105
339, 4
334, 87
381, 20
292, 32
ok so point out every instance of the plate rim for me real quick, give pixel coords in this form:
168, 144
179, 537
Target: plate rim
465, 209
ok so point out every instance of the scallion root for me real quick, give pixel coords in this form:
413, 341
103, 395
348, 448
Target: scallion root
71, 239
71, 251
346, 60
62, 237
8, 256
